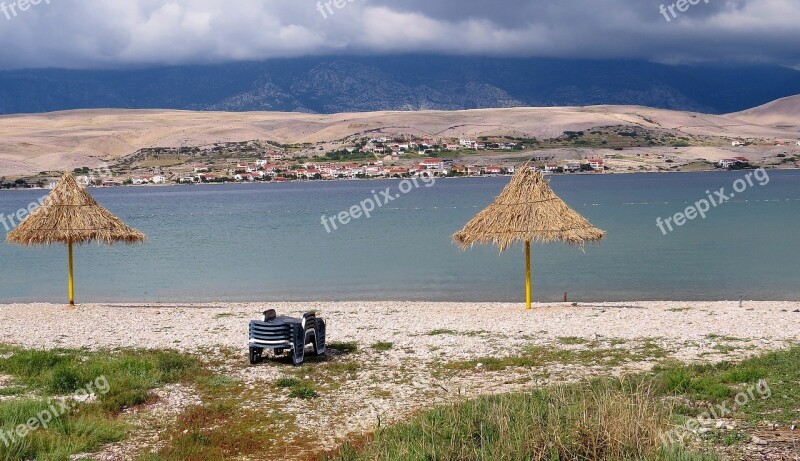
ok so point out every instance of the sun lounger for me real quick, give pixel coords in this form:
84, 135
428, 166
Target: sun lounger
281, 333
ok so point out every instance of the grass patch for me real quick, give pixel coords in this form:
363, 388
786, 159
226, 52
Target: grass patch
383, 346
12, 391
441, 332
343, 347
287, 382
220, 431
572, 340
66, 435
724, 348
300, 389
118, 380
304, 392
721, 382
130, 374
602, 420
715, 337
224, 315
540, 356
218, 381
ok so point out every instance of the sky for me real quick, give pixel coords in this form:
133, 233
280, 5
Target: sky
138, 33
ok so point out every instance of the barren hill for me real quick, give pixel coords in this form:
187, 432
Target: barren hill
61, 140
784, 113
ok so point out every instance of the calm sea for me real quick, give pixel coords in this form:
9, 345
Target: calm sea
265, 242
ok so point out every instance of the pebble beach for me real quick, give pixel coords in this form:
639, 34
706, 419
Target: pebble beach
384, 386
767, 324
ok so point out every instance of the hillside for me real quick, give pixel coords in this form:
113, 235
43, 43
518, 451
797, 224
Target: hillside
62, 140
784, 113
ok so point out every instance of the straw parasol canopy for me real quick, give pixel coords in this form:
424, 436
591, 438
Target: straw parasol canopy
69, 215
527, 211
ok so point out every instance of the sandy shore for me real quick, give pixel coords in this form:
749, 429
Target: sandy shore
390, 385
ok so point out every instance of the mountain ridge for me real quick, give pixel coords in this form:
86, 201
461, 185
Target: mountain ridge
359, 84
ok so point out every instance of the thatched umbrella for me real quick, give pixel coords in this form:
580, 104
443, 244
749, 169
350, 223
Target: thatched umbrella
527, 211
69, 215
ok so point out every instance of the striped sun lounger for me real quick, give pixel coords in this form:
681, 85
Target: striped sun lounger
282, 333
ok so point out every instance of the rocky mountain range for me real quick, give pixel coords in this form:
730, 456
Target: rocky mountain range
356, 84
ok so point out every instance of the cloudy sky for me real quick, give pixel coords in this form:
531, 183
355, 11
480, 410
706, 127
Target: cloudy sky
119, 33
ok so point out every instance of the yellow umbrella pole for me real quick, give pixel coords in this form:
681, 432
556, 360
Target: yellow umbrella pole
71, 280
528, 274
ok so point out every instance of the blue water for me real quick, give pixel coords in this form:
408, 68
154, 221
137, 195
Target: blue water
264, 242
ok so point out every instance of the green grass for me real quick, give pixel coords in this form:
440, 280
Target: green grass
383, 346
605, 420
722, 382
130, 374
300, 389
72, 433
218, 381
441, 332
343, 347
12, 391
572, 340
602, 420
541, 356
304, 392
286, 382
724, 338
118, 379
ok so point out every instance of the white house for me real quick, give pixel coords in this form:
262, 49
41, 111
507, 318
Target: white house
597, 164
249, 176
432, 164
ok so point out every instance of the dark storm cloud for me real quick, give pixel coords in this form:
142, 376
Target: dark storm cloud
112, 33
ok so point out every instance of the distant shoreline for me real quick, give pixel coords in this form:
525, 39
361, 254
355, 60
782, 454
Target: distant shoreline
717, 170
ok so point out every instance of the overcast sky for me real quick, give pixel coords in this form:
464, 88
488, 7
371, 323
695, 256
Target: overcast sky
115, 33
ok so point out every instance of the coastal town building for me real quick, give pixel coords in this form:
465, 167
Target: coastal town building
597, 164
731, 162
